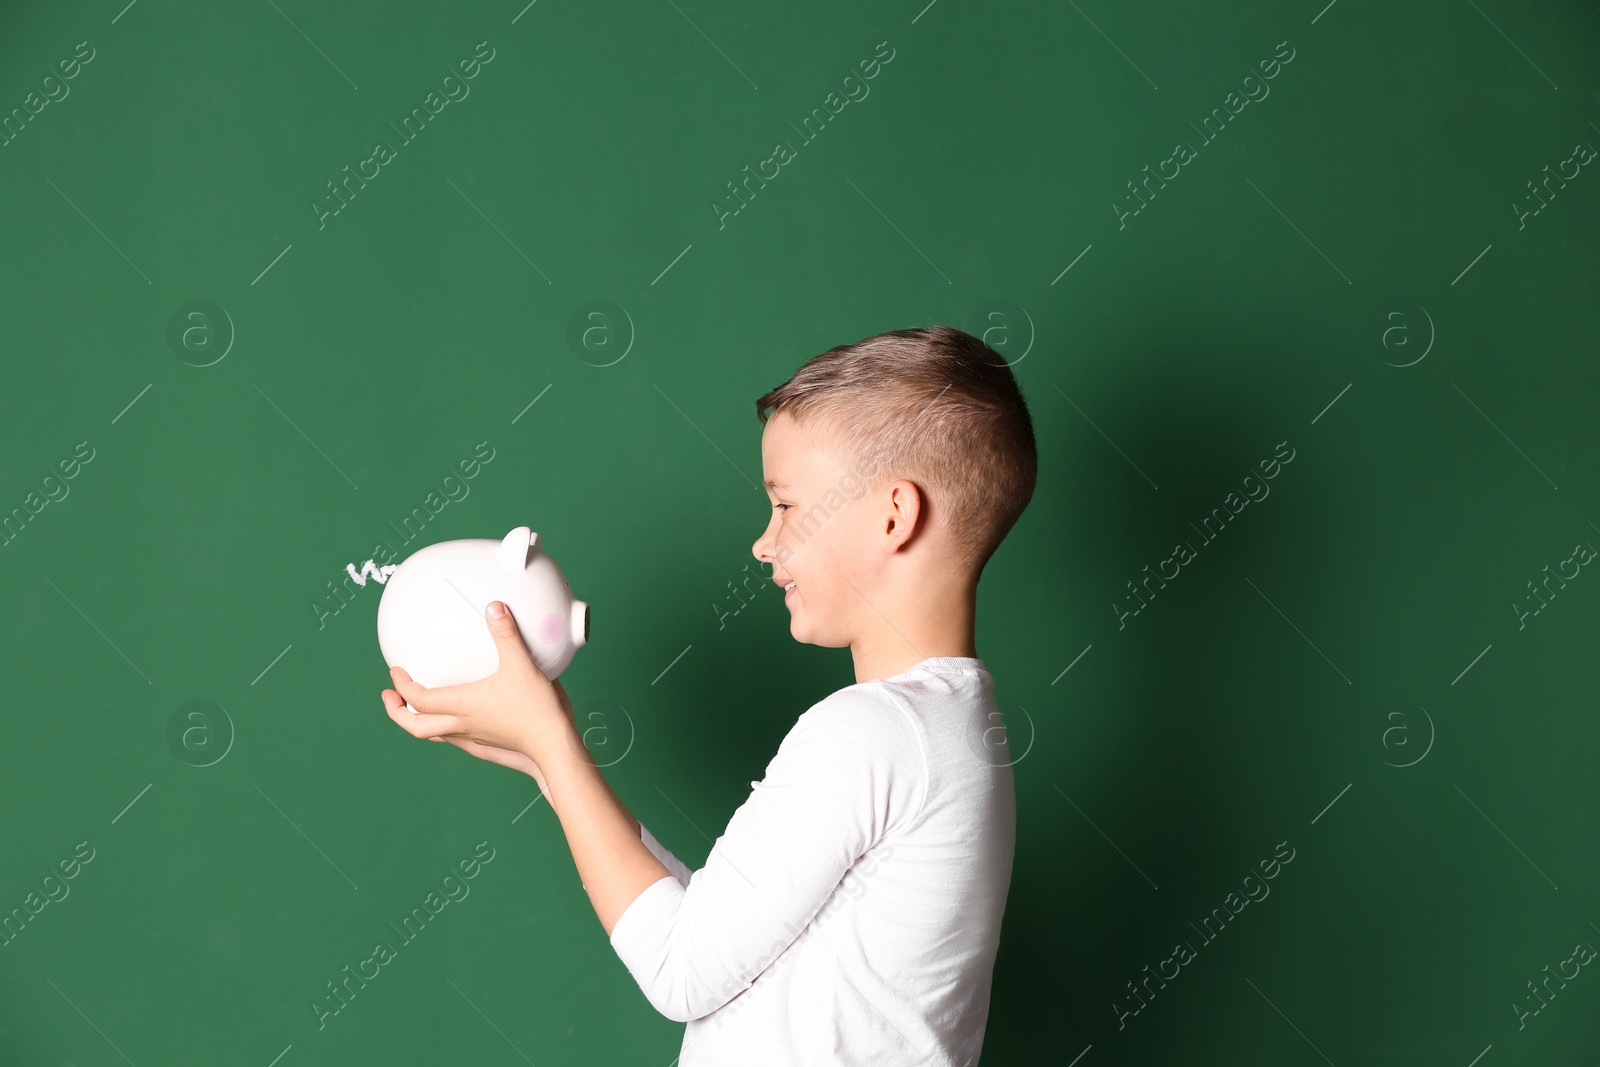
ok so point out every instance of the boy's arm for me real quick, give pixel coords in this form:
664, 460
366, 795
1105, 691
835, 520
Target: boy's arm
848, 773
518, 718
607, 846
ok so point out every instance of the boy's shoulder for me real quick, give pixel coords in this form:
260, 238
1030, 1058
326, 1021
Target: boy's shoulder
867, 741
867, 714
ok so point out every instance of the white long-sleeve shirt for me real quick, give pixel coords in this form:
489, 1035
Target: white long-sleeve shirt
850, 912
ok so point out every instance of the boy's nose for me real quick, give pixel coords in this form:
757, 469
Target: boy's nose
765, 547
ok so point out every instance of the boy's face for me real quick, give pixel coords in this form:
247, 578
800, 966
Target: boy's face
812, 541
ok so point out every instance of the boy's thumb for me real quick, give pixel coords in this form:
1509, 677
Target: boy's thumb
501, 624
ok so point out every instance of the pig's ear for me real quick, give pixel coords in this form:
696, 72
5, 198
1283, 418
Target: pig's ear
512, 555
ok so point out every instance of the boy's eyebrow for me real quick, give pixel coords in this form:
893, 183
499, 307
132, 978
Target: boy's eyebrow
778, 485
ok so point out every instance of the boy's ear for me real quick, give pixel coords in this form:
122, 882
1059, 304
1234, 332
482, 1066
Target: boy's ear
904, 512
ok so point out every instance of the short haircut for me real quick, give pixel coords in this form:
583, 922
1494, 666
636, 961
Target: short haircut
933, 405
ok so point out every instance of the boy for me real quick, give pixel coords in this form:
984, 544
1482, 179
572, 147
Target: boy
850, 912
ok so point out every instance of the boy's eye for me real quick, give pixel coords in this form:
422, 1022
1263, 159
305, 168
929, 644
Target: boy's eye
782, 505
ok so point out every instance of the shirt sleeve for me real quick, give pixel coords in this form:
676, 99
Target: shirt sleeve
850, 770
672, 863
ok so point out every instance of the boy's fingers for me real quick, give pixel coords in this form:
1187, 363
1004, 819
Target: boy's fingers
438, 700
393, 701
418, 696
428, 726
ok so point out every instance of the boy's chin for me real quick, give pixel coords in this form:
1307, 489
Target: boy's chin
804, 632
800, 629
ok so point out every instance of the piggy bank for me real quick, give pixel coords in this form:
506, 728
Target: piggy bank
431, 617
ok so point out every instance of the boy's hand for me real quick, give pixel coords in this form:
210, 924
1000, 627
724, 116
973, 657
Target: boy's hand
516, 710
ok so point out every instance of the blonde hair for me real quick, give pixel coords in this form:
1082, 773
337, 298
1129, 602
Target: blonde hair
933, 405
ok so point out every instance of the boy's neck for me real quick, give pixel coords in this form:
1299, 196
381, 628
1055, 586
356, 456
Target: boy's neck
940, 624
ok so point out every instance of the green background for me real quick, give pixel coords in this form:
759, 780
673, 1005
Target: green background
1343, 670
